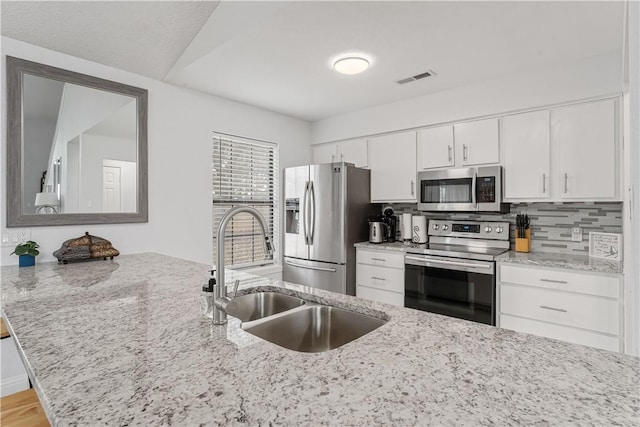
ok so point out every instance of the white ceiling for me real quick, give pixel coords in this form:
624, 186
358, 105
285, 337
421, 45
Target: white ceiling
144, 37
277, 55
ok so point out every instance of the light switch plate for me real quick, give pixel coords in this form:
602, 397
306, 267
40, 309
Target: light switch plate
576, 234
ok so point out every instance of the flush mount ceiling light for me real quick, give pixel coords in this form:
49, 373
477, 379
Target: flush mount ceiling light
351, 65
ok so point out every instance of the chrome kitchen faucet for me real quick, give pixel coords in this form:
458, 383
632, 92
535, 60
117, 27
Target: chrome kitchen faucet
220, 298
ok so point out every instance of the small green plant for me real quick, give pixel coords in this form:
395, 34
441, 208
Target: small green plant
28, 248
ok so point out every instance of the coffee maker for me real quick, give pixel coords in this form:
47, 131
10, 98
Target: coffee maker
392, 223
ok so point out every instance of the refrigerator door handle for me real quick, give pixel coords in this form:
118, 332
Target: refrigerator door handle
308, 267
312, 225
304, 213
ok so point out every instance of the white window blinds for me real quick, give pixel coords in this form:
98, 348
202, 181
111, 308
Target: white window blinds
245, 173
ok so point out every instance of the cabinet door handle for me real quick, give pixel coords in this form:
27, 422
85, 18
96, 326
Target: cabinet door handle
562, 310
379, 259
544, 183
464, 152
450, 156
378, 278
566, 178
412, 188
563, 282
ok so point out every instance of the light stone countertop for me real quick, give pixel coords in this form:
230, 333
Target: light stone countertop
539, 259
122, 342
559, 260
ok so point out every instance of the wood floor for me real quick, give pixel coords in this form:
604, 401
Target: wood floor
4, 332
21, 409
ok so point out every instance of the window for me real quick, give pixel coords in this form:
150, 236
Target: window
245, 173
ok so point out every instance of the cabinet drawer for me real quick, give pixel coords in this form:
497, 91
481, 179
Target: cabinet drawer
563, 333
388, 279
379, 295
380, 258
577, 310
562, 280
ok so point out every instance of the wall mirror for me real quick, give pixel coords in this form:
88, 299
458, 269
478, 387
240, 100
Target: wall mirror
76, 148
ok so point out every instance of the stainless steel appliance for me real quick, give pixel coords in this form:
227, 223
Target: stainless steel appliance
376, 231
476, 189
454, 274
327, 207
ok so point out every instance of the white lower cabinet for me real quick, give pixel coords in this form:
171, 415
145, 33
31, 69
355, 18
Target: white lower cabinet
581, 308
13, 376
380, 276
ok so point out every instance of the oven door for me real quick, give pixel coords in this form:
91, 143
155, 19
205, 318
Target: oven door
451, 286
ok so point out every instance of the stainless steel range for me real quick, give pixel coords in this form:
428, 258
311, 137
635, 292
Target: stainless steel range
454, 274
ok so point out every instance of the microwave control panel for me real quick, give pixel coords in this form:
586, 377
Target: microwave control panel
486, 189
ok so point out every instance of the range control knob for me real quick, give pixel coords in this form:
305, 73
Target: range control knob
487, 229
498, 229
445, 227
435, 226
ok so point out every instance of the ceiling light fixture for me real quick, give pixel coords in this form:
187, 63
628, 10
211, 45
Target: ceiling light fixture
351, 65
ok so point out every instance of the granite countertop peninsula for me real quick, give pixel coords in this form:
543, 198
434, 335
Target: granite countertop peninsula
540, 259
122, 342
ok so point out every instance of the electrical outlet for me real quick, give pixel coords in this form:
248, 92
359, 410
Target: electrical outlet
24, 235
576, 234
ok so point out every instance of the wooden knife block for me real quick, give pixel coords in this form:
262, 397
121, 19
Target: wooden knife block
524, 244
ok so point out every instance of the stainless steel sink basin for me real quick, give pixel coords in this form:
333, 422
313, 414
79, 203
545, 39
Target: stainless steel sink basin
314, 328
261, 304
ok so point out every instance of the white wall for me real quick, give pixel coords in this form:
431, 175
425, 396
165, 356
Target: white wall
93, 150
632, 211
39, 134
180, 150
596, 76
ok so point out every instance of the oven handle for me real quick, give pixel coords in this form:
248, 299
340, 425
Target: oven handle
423, 261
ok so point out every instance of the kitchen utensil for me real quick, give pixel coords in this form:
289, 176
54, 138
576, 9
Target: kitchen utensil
406, 226
419, 223
377, 231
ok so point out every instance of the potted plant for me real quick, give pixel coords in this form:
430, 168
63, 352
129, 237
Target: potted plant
27, 252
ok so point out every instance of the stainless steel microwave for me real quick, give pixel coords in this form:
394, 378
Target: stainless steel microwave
475, 189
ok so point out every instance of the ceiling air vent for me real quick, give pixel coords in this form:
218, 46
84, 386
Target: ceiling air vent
427, 73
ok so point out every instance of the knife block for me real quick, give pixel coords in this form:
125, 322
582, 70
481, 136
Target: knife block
524, 244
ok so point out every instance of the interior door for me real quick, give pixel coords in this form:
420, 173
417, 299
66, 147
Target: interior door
111, 200
327, 216
296, 198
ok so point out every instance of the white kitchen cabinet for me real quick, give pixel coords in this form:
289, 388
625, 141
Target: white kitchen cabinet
477, 143
13, 376
324, 153
380, 276
352, 151
435, 148
578, 307
585, 140
526, 155
392, 160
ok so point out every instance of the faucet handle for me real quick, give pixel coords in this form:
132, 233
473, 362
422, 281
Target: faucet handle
235, 288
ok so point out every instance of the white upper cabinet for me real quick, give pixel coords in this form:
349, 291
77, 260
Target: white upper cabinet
435, 148
392, 159
526, 155
354, 151
476, 143
324, 153
585, 140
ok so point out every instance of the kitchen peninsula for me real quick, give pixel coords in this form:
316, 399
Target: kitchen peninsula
122, 342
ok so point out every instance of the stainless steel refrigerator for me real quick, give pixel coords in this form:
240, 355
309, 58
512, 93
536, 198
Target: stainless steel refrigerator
327, 208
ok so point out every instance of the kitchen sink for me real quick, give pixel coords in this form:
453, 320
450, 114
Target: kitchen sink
314, 328
261, 304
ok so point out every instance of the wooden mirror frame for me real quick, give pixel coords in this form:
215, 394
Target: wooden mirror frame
16, 69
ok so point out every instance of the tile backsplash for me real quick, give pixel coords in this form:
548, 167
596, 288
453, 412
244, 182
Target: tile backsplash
551, 223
